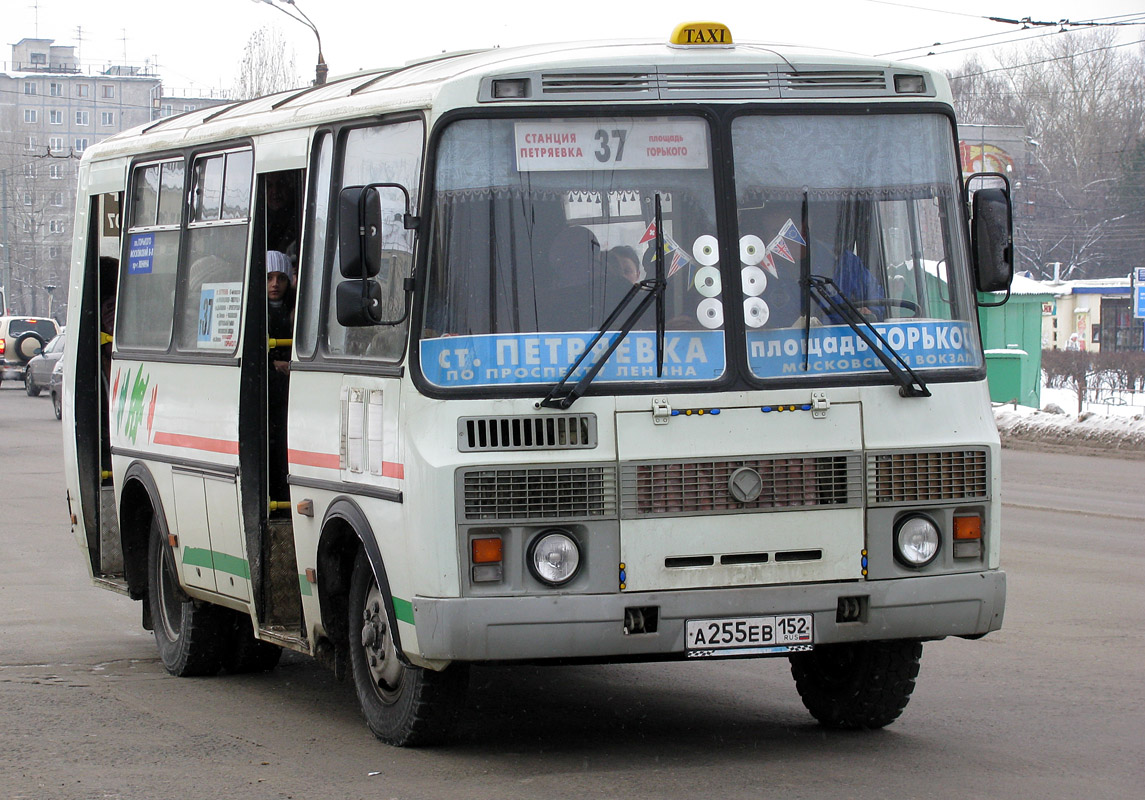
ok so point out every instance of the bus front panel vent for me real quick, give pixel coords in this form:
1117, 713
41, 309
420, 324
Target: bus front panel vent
635, 85
713, 83
937, 476
835, 83
538, 493
766, 483
530, 432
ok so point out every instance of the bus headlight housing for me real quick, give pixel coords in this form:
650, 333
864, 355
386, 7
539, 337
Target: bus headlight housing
916, 540
554, 557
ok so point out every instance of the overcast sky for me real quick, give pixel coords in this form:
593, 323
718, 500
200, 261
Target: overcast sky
197, 44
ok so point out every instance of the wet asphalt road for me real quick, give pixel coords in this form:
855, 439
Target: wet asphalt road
1052, 706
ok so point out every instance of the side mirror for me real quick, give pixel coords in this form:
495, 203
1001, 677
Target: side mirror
992, 240
359, 231
375, 241
358, 303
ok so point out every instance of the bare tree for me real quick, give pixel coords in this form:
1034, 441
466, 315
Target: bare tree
1081, 99
267, 65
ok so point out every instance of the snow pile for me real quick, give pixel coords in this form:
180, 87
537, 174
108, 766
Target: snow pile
1100, 427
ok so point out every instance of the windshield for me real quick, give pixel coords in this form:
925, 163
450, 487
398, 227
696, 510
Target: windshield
869, 202
540, 228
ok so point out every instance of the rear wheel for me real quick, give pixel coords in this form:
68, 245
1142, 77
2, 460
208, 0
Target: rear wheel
403, 705
191, 635
57, 405
859, 684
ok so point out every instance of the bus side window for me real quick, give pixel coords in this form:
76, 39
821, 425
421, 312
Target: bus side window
382, 154
151, 254
211, 276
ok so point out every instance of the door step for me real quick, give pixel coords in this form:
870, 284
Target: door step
290, 638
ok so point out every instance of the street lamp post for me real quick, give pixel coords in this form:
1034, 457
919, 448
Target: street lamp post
320, 70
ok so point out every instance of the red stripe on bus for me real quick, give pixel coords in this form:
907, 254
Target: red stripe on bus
307, 458
197, 443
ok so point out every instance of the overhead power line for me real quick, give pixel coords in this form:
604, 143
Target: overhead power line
1046, 60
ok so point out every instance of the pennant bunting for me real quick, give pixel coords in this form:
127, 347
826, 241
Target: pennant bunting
649, 234
779, 247
790, 231
768, 263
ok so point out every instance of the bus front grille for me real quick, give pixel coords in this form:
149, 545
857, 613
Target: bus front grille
783, 483
530, 432
933, 476
562, 492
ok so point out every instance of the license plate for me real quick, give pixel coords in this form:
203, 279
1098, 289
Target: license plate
742, 636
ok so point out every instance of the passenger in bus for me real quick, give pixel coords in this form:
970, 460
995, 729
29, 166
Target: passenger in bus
279, 325
623, 264
784, 293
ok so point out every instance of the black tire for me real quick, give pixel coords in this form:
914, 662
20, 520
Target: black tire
30, 384
57, 405
246, 653
191, 635
860, 685
23, 352
403, 705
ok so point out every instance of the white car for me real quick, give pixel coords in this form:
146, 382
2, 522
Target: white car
21, 340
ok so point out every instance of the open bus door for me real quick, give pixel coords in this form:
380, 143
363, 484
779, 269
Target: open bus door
91, 411
263, 410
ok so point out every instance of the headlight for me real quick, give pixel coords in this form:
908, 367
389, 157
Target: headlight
916, 541
554, 557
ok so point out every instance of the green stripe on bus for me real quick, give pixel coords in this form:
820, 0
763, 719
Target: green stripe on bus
221, 562
198, 557
304, 585
403, 610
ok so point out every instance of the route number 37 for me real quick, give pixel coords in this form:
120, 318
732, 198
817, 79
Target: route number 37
609, 140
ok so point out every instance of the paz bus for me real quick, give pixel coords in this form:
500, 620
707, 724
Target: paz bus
613, 351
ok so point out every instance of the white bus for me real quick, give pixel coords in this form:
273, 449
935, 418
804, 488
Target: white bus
616, 351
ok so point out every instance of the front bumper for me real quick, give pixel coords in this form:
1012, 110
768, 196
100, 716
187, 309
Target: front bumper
592, 626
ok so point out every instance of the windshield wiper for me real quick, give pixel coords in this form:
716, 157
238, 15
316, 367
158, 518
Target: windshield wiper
655, 292
828, 295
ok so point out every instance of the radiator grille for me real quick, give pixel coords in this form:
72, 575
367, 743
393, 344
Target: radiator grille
548, 432
528, 493
702, 487
937, 476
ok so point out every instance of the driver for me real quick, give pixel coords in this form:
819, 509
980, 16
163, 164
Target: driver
779, 225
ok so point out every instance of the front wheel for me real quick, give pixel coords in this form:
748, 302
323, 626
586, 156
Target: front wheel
30, 384
191, 636
57, 405
859, 684
403, 705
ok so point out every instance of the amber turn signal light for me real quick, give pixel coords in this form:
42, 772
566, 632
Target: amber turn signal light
487, 551
967, 528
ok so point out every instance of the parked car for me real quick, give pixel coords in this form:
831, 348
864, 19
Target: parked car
56, 387
21, 339
38, 373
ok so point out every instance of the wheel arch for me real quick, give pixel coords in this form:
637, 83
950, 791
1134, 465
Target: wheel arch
139, 503
345, 528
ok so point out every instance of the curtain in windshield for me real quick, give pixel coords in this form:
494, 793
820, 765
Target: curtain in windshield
544, 226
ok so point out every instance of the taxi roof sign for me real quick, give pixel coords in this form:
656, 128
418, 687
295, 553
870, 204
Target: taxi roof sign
701, 34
